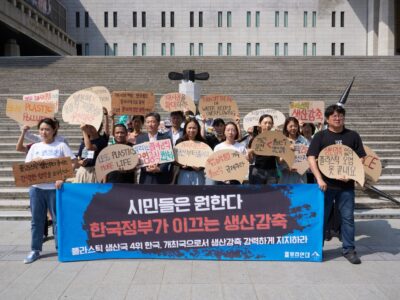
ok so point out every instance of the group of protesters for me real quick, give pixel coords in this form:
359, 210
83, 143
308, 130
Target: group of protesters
186, 126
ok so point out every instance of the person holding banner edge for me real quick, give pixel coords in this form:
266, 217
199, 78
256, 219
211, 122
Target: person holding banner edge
43, 196
341, 191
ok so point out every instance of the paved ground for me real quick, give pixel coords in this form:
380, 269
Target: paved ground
378, 277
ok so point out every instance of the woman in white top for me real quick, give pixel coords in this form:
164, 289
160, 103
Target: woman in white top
43, 196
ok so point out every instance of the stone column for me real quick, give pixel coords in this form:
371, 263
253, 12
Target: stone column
386, 41
11, 48
372, 30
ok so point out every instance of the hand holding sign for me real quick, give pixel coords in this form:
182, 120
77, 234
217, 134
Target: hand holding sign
273, 143
83, 107
116, 157
341, 162
372, 165
177, 101
27, 112
192, 154
307, 111
218, 106
227, 165
252, 118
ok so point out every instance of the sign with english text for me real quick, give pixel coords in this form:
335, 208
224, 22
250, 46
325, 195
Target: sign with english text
248, 222
27, 112
218, 106
45, 97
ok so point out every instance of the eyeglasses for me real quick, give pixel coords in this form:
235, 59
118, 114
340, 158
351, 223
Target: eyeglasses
337, 117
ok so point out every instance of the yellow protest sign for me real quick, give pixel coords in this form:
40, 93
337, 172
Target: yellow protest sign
218, 106
307, 111
273, 143
116, 157
42, 171
341, 162
83, 107
27, 112
227, 165
132, 102
177, 101
252, 118
372, 165
104, 96
192, 153
46, 97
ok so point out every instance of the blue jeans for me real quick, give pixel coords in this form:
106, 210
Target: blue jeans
345, 202
186, 177
41, 201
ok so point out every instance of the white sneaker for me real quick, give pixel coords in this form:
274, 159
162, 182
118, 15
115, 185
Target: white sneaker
33, 255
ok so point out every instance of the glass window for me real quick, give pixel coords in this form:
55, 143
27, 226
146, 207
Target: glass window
87, 53
115, 19
86, 19
191, 19
200, 49
163, 49
248, 49
305, 19
229, 19
77, 19
305, 49
163, 19
219, 49
134, 19
334, 19
115, 49
342, 19
144, 21
277, 19
191, 49
341, 49
276, 49
172, 19
248, 19
220, 19
314, 49
172, 49
229, 49
106, 49
257, 19
314, 19
285, 49
134, 49
257, 49
144, 49
200, 19
106, 19
286, 19
333, 48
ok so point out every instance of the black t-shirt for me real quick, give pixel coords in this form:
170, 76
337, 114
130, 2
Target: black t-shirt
212, 140
325, 138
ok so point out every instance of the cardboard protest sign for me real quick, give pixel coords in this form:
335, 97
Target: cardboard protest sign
227, 165
218, 106
42, 171
307, 111
46, 97
192, 154
132, 103
177, 101
27, 112
341, 162
273, 143
252, 118
153, 153
83, 107
104, 96
116, 157
300, 158
372, 165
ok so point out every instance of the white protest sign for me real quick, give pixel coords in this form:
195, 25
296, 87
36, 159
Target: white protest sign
46, 97
153, 153
192, 153
227, 165
104, 96
218, 106
252, 118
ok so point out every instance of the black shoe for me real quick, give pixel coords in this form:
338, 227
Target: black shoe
328, 235
352, 257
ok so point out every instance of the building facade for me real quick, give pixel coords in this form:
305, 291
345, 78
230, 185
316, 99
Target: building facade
237, 28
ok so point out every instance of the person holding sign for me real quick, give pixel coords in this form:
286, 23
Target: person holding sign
176, 131
154, 174
43, 196
191, 175
137, 124
264, 170
341, 191
291, 129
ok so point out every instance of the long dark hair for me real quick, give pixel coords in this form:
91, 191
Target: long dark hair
198, 136
237, 128
287, 121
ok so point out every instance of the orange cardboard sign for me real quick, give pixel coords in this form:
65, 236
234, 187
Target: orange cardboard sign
42, 171
227, 165
104, 96
273, 143
46, 97
372, 165
177, 101
116, 157
192, 154
341, 162
132, 102
27, 112
252, 118
307, 111
218, 106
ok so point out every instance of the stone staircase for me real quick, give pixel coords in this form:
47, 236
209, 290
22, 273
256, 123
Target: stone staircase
373, 107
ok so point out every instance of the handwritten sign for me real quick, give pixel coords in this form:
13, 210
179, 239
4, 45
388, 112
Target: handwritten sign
300, 158
132, 103
83, 107
153, 153
192, 154
341, 162
252, 118
116, 157
42, 171
177, 101
104, 96
46, 97
307, 111
372, 165
218, 106
227, 165
27, 112
273, 143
